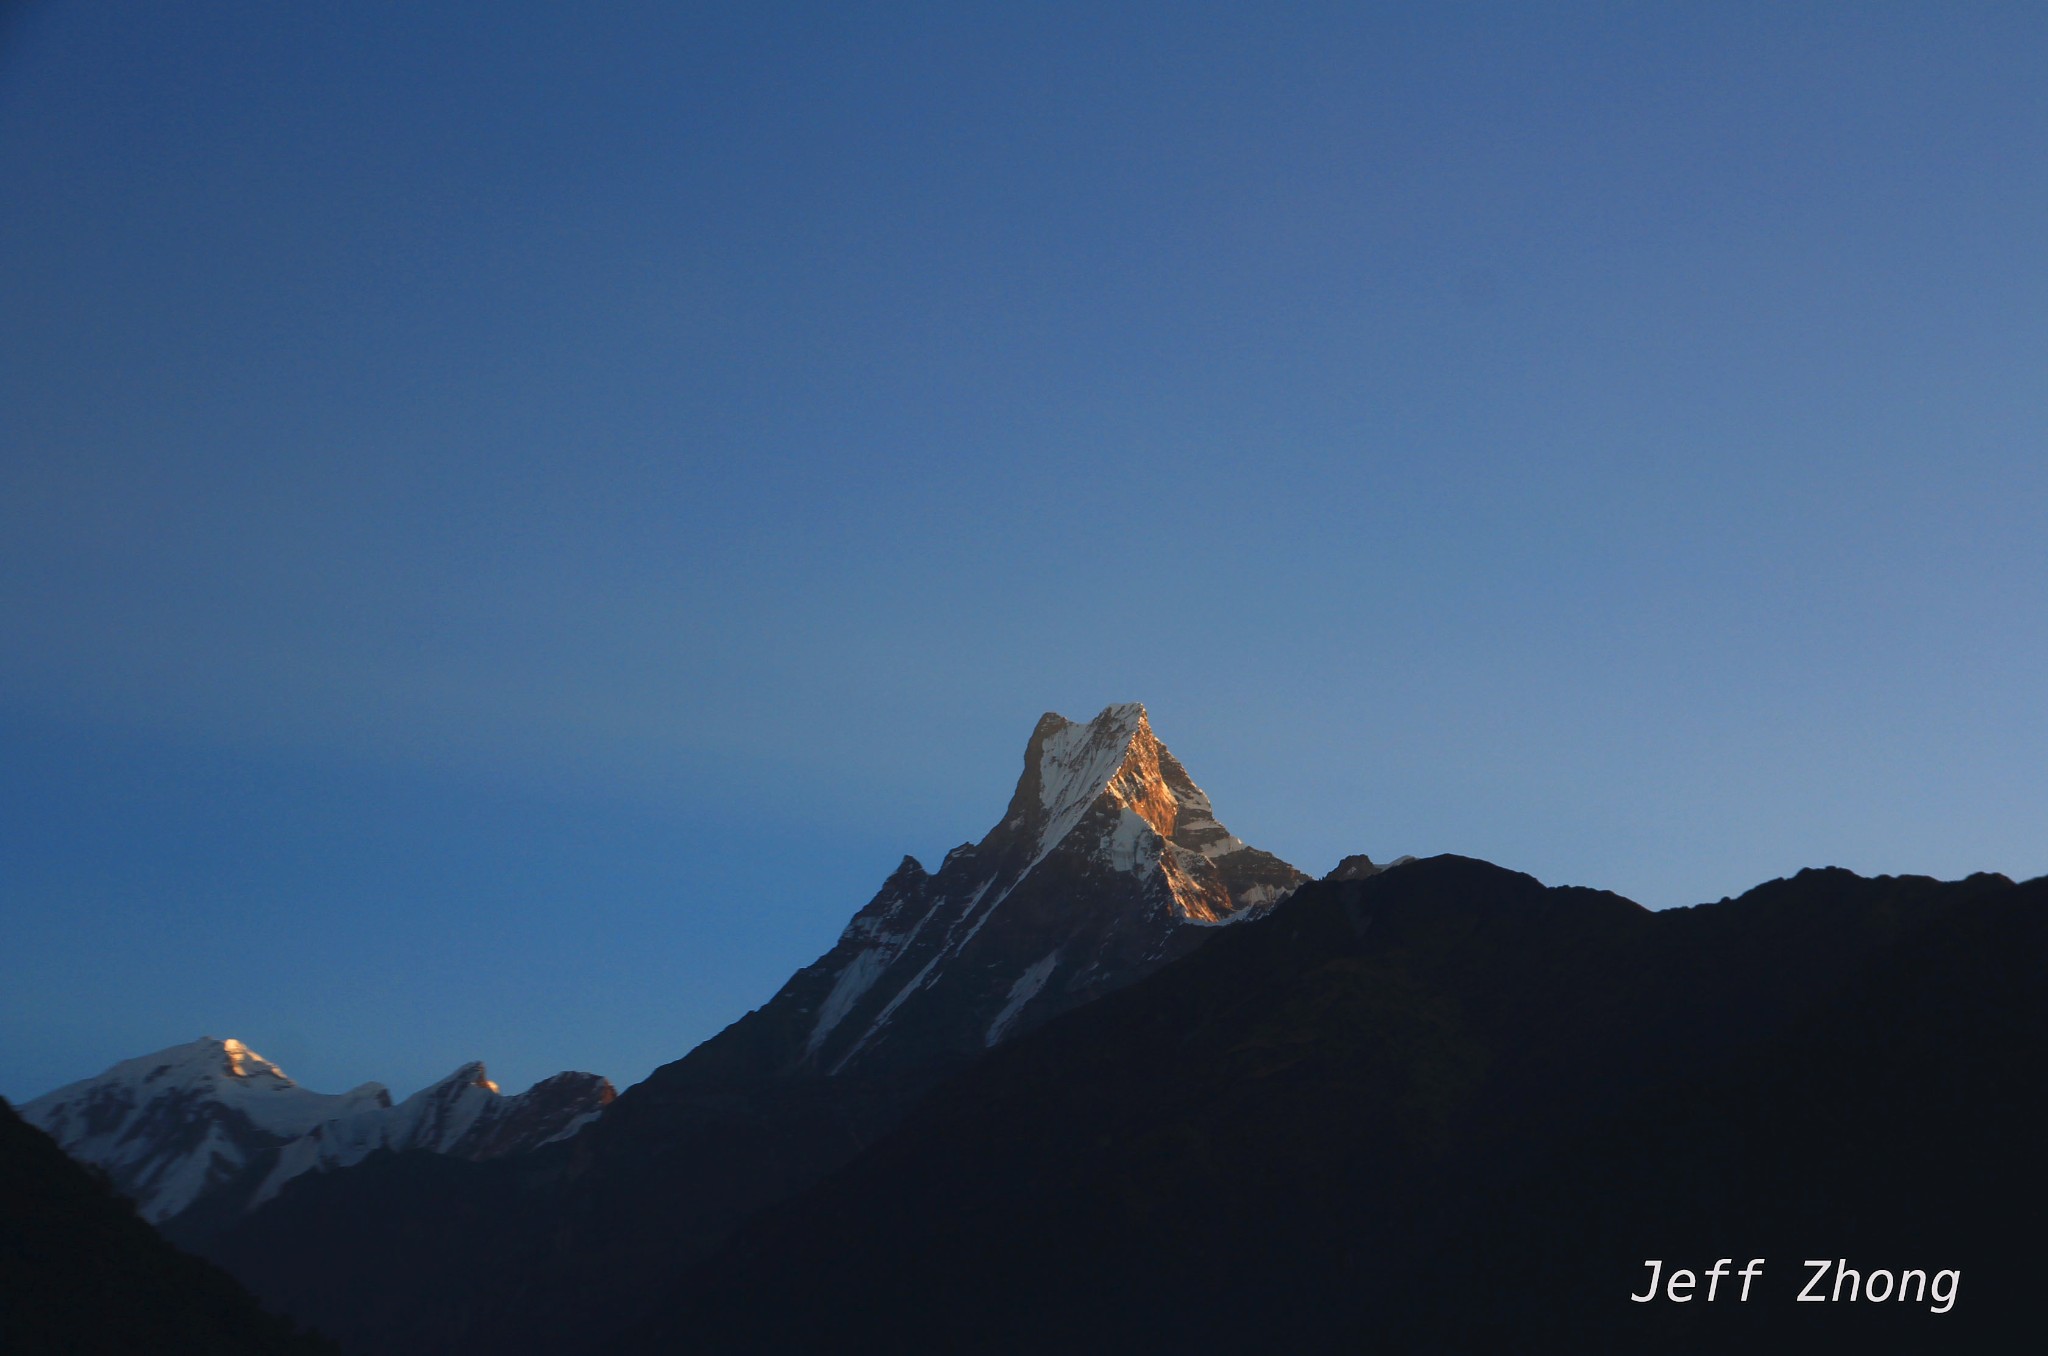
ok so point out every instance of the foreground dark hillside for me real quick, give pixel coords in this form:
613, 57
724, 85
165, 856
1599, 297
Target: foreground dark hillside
422, 1255
1446, 1107
81, 1274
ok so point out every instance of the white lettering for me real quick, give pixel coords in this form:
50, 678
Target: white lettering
1714, 1275
1820, 1269
1750, 1273
1656, 1269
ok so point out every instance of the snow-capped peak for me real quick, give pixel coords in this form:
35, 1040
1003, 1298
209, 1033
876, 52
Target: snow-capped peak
226, 1071
1107, 853
1078, 763
1151, 820
170, 1126
200, 1117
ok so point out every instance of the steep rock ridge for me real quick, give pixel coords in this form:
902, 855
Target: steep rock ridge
213, 1119
1108, 862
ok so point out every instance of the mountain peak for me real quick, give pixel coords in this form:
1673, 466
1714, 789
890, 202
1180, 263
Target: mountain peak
1357, 866
1108, 862
1147, 815
1068, 765
172, 1125
470, 1075
1121, 713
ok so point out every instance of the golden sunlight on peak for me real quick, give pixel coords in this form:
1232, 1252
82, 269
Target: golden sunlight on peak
1140, 785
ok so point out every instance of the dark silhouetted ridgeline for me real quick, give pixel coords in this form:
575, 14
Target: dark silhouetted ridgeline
81, 1274
1447, 1108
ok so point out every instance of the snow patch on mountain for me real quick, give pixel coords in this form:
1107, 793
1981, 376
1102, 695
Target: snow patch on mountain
1131, 846
851, 986
1023, 991
182, 1179
889, 1009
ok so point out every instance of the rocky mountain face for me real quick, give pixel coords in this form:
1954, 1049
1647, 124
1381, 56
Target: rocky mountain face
1107, 864
212, 1125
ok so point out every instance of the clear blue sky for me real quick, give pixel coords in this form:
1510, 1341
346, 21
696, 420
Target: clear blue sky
515, 518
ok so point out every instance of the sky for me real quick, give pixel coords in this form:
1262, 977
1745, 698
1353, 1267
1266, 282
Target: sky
517, 516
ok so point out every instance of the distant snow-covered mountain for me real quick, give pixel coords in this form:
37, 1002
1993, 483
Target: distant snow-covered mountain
213, 1117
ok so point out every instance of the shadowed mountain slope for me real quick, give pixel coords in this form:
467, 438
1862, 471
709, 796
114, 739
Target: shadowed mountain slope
1445, 1108
82, 1275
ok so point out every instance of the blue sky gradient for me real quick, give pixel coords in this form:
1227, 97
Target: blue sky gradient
516, 518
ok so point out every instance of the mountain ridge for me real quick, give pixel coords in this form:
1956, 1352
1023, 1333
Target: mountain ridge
211, 1126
